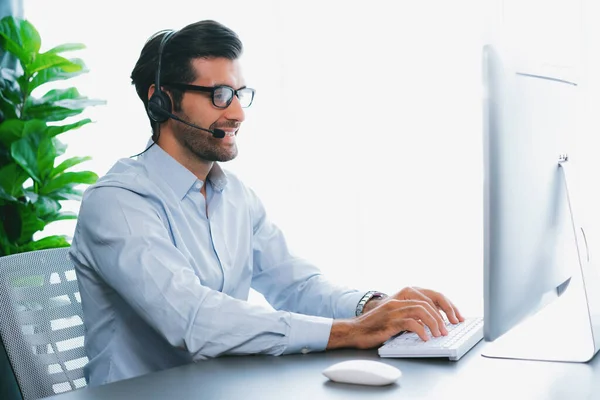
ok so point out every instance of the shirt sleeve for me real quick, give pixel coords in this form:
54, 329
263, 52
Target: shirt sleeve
121, 236
292, 283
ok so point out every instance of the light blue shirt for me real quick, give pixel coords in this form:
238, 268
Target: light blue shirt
163, 282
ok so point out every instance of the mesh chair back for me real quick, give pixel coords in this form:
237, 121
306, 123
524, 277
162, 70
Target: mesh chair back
41, 322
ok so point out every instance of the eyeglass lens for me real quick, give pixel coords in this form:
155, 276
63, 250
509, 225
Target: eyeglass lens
223, 96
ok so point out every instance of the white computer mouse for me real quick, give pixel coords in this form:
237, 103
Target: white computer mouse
363, 372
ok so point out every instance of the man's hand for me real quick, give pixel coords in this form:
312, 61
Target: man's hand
411, 309
435, 299
384, 321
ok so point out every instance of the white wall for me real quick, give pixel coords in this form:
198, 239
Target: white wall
379, 182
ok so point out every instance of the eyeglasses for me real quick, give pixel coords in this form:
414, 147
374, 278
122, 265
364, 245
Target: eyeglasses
221, 95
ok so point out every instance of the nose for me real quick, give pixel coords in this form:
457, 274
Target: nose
235, 110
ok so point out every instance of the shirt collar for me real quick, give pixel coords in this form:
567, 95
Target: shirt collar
179, 178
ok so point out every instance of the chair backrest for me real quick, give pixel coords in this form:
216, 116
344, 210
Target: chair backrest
41, 322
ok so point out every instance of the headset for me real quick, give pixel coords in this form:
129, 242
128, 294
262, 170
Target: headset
159, 104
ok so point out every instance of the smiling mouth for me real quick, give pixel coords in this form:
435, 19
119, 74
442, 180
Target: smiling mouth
229, 132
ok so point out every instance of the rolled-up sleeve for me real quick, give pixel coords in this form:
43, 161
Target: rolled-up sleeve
129, 247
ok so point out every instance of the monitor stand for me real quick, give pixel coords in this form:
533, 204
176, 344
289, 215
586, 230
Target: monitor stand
568, 328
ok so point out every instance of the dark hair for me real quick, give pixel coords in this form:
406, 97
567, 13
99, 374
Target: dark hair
203, 39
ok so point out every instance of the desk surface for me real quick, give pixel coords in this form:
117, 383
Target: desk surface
300, 377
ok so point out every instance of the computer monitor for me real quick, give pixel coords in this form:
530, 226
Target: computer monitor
540, 290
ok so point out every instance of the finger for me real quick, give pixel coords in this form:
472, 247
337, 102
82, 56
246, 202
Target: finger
415, 326
442, 302
425, 295
448, 308
422, 311
435, 314
460, 317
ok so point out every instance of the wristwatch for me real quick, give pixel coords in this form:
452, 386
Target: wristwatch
372, 294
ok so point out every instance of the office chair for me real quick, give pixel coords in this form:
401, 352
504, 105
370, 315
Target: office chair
41, 325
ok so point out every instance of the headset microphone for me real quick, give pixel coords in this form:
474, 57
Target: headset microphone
217, 133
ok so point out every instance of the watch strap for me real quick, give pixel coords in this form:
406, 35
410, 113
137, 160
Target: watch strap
371, 294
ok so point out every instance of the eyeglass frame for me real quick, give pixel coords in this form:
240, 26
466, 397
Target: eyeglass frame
212, 90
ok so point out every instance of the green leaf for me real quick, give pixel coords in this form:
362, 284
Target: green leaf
68, 179
56, 73
8, 108
68, 163
49, 60
30, 223
30, 38
20, 222
6, 196
53, 113
67, 193
59, 147
49, 242
59, 113
10, 92
46, 206
66, 47
11, 130
78, 104
15, 129
58, 104
12, 177
23, 151
55, 130
30, 194
10, 38
20, 38
65, 215
35, 154
55, 95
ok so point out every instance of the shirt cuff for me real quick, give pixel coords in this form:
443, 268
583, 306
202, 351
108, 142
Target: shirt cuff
308, 333
346, 306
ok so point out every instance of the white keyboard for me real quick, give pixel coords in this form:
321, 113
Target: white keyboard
460, 339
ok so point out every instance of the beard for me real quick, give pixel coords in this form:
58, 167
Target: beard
202, 144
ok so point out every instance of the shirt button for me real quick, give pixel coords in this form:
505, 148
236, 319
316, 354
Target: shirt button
198, 185
305, 350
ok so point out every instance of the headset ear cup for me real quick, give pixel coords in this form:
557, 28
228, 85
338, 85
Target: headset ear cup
159, 107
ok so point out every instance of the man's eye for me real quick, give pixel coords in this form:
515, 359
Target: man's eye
221, 95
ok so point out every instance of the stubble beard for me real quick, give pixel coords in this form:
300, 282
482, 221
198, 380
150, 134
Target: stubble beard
203, 145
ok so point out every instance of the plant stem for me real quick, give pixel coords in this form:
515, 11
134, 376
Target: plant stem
25, 93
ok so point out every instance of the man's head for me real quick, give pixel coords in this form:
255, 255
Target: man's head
195, 62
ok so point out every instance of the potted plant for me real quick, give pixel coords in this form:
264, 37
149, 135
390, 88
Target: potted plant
32, 182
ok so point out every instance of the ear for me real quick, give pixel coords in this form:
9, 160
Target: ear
151, 90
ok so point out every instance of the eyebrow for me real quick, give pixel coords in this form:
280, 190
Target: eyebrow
224, 84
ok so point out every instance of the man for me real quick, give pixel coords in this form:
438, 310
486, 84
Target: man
167, 246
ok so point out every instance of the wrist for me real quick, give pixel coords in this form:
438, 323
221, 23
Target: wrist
341, 334
372, 303
363, 305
